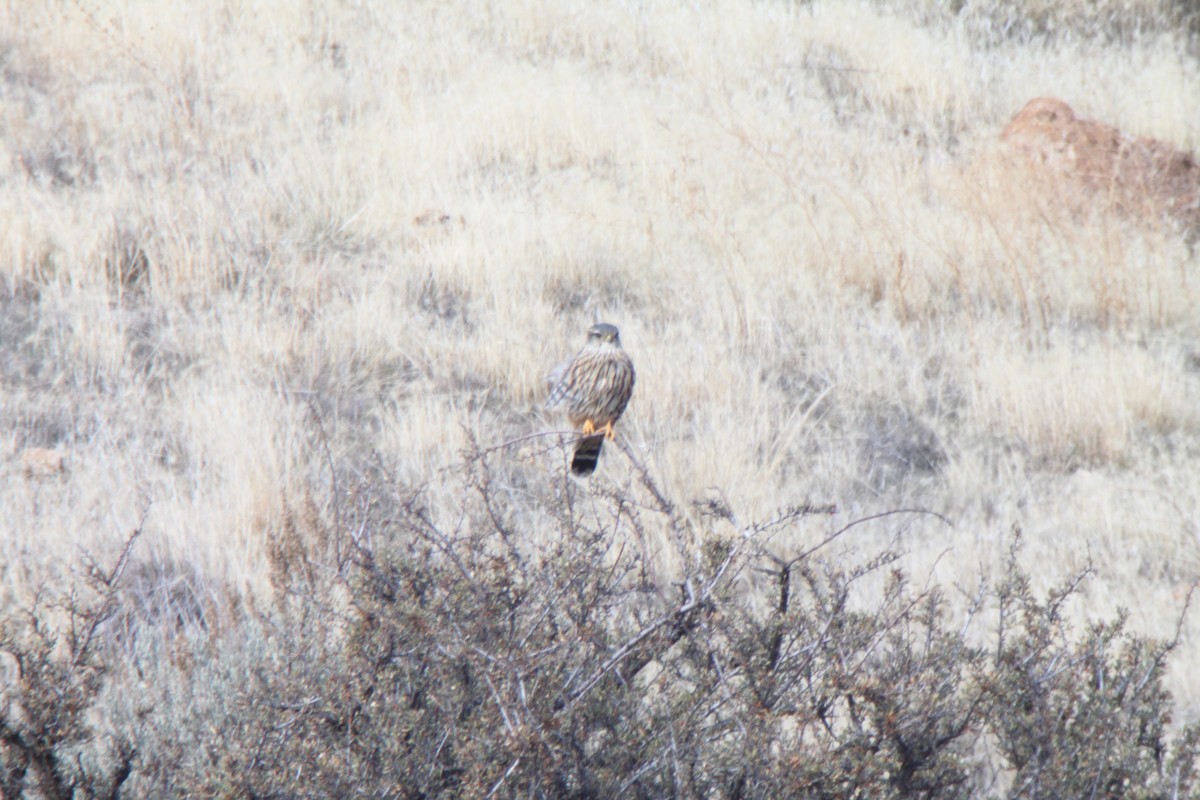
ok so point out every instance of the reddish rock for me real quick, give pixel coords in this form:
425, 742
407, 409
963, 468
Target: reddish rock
1135, 174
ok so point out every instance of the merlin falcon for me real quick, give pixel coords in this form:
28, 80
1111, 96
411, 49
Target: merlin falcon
594, 387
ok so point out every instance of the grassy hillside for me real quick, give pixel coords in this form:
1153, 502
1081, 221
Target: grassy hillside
253, 252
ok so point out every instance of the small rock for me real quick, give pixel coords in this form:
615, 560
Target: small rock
41, 461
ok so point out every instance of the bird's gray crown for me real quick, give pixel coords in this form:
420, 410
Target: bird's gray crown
604, 332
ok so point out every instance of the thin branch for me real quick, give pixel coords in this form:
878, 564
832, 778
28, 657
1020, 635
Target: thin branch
323, 438
504, 777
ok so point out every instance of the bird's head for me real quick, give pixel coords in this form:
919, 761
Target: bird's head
604, 334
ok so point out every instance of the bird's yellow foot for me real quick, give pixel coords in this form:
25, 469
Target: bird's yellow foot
609, 433
588, 428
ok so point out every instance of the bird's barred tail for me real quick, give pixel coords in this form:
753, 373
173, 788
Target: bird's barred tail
587, 453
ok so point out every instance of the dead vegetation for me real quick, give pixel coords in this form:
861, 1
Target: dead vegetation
294, 277
402, 656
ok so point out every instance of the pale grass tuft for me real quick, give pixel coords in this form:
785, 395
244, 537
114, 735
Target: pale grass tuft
1079, 407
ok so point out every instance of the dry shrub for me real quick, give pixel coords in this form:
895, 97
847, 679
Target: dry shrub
55, 663
420, 650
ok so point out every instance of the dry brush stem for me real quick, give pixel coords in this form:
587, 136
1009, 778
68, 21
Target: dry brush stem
58, 676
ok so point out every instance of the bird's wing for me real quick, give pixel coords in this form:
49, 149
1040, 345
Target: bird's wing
556, 384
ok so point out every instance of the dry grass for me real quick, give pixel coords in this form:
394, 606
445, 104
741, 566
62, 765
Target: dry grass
223, 222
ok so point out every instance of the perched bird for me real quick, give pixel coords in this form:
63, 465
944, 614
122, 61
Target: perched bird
594, 387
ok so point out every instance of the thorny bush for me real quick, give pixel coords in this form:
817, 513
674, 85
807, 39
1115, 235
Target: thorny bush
505, 633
